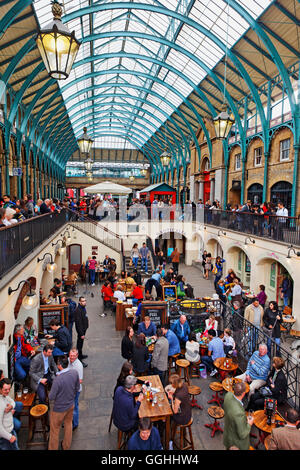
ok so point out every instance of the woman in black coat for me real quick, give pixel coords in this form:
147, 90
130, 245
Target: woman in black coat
272, 320
140, 355
277, 384
127, 343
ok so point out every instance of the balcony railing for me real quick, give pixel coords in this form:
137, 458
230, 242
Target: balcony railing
18, 240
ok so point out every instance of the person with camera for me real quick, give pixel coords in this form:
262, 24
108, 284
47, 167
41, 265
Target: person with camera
275, 387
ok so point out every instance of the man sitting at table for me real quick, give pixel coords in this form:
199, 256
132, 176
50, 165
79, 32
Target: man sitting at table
257, 369
147, 327
215, 350
181, 329
125, 408
61, 334
288, 436
137, 294
146, 438
119, 294
174, 345
42, 372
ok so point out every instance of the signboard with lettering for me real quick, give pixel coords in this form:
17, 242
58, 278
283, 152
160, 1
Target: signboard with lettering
157, 311
169, 292
48, 313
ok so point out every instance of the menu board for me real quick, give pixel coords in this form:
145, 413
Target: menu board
170, 292
48, 313
157, 311
11, 362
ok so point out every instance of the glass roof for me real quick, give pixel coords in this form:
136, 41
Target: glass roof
128, 92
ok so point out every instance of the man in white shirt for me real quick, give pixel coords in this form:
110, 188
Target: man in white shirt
281, 214
119, 294
75, 363
8, 436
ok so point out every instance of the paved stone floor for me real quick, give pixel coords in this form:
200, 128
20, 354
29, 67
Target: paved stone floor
102, 344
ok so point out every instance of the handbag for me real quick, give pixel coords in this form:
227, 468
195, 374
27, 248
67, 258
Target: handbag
269, 331
215, 270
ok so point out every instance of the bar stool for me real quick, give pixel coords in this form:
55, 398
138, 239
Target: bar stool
217, 413
183, 364
171, 360
216, 387
193, 391
195, 370
185, 443
38, 413
123, 437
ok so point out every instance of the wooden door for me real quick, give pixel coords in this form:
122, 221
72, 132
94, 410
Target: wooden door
75, 257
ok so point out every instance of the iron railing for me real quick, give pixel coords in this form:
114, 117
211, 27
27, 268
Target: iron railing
18, 240
279, 228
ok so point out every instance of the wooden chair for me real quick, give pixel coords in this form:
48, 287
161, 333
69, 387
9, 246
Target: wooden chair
184, 443
123, 437
183, 364
217, 413
171, 360
295, 334
218, 388
287, 311
38, 413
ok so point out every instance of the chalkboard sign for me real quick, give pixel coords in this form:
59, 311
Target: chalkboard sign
170, 292
48, 313
157, 311
11, 363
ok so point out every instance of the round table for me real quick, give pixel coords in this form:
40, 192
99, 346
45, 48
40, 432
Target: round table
229, 382
260, 421
287, 323
224, 371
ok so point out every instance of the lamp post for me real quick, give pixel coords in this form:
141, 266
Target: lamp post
57, 45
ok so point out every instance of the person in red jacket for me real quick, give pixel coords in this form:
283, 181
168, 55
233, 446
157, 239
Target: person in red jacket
137, 294
22, 350
107, 294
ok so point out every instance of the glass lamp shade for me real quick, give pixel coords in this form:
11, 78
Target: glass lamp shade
165, 158
62, 250
144, 172
30, 301
58, 47
223, 123
85, 142
88, 164
51, 267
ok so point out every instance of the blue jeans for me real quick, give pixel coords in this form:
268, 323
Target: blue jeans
18, 409
285, 301
22, 366
208, 362
92, 276
145, 263
277, 341
135, 261
6, 445
57, 352
76, 410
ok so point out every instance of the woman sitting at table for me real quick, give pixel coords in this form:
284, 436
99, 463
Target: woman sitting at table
129, 281
107, 294
210, 324
30, 332
275, 387
140, 355
127, 369
127, 344
180, 401
192, 349
52, 297
147, 327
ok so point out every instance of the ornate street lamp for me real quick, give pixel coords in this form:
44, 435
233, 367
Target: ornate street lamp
144, 172
88, 164
165, 158
85, 142
58, 47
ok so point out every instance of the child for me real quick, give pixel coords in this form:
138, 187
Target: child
229, 344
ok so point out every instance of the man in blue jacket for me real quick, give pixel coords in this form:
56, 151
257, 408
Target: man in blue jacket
181, 329
125, 408
258, 369
174, 345
146, 438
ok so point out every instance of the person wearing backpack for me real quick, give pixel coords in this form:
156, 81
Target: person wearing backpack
71, 319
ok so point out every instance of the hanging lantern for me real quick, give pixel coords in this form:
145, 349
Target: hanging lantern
143, 172
165, 158
88, 164
223, 123
89, 175
131, 178
58, 47
85, 142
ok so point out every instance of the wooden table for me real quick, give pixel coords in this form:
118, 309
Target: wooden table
28, 400
260, 421
224, 371
161, 411
287, 323
229, 382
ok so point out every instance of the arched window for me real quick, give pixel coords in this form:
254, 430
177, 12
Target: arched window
282, 191
255, 193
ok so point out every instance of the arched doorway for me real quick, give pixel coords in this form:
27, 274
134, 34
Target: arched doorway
282, 191
255, 193
169, 240
272, 274
238, 260
75, 257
